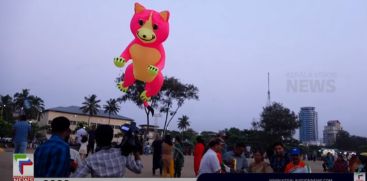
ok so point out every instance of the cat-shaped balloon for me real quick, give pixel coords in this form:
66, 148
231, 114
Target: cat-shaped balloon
150, 29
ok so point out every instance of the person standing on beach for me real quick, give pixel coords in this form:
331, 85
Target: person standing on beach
52, 159
167, 157
21, 131
157, 155
210, 162
198, 153
178, 157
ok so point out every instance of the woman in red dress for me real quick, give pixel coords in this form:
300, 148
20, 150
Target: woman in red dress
198, 153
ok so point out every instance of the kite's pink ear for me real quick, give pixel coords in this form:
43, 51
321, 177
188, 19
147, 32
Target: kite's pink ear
165, 15
139, 8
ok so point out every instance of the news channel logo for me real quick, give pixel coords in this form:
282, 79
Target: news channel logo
311, 82
23, 167
360, 176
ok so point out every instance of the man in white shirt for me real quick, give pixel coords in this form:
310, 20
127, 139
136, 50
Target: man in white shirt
210, 163
80, 133
75, 159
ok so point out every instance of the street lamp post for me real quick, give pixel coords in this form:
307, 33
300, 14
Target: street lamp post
2, 111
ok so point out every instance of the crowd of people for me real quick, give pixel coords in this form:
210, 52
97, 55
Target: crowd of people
218, 160
214, 157
279, 160
168, 157
61, 156
340, 163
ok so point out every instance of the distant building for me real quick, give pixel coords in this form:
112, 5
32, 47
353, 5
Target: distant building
315, 143
330, 131
152, 132
76, 116
308, 125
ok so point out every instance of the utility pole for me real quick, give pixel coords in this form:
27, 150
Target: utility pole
268, 103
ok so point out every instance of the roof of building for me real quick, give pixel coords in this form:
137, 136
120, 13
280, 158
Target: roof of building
150, 126
77, 110
307, 108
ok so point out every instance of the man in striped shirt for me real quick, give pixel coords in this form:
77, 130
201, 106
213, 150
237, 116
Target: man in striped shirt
52, 159
108, 161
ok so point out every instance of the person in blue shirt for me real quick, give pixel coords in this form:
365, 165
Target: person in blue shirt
240, 165
21, 131
280, 159
52, 159
328, 162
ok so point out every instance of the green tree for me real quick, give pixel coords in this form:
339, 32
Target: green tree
173, 133
19, 99
46, 128
190, 135
34, 130
6, 116
173, 96
183, 123
345, 141
37, 107
90, 106
253, 138
173, 93
31, 105
112, 108
234, 136
257, 138
32, 108
278, 122
133, 95
5, 129
7, 108
208, 135
39, 132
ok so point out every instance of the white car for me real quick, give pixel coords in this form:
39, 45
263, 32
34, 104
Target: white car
6, 140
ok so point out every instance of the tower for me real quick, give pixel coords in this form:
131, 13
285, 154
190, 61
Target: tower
268, 103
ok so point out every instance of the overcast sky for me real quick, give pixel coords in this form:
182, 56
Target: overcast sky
315, 51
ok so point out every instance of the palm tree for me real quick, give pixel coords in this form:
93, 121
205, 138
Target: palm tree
37, 107
90, 106
29, 104
183, 123
6, 100
19, 99
111, 107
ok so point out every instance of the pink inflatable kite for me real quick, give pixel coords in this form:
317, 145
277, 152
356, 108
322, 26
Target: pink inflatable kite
150, 29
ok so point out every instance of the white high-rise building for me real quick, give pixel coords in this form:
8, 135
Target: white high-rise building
330, 131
